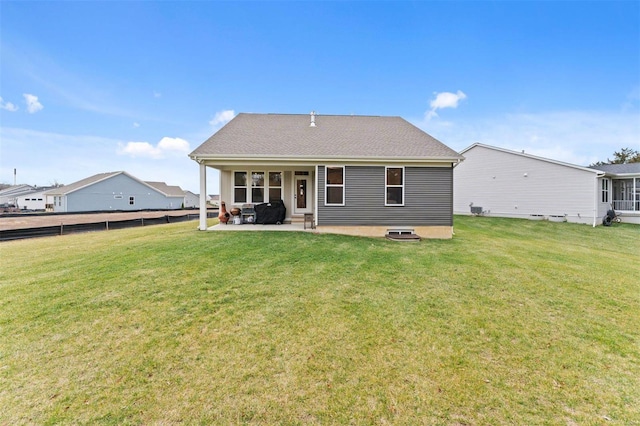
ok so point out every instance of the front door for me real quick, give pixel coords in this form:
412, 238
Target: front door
302, 195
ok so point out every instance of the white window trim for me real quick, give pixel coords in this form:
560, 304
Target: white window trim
249, 187
386, 185
604, 190
265, 195
343, 185
268, 187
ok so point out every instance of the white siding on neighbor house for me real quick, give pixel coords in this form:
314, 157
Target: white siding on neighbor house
507, 184
605, 205
191, 200
33, 201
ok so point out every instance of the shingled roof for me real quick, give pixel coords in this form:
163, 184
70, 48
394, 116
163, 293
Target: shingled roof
168, 190
163, 188
619, 169
339, 137
66, 189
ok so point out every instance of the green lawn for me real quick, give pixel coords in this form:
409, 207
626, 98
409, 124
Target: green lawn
510, 322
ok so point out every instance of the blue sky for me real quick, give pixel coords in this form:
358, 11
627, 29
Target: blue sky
92, 87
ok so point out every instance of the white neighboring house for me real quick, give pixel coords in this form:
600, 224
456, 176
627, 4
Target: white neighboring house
499, 182
191, 200
12, 194
621, 188
33, 200
214, 200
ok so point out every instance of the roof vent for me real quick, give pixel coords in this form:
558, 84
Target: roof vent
313, 119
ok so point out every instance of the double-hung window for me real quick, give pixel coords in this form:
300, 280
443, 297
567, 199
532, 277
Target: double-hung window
605, 190
275, 186
334, 186
256, 186
394, 186
240, 187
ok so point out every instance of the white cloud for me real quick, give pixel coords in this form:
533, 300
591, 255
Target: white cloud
30, 152
33, 105
136, 124
173, 144
157, 94
444, 100
167, 147
139, 149
7, 105
222, 117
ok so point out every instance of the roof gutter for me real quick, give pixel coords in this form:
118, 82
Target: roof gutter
333, 159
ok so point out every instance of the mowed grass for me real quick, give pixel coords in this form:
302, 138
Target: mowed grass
510, 322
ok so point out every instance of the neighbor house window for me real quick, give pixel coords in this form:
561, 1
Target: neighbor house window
275, 186
132, 200
394, 186
240, 187
605, 190
334, 186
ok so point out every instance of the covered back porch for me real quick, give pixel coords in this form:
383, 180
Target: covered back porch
243, 185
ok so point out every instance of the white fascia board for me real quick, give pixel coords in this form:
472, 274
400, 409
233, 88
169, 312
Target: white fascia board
534, 157
621, 175
88, 184
312, 161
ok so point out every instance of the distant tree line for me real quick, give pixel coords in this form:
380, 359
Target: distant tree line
624, 156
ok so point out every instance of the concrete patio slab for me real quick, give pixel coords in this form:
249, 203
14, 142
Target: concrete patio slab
248, 227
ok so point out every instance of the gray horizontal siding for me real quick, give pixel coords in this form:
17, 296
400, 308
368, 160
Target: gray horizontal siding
428, 198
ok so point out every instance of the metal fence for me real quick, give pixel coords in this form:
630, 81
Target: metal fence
62, 229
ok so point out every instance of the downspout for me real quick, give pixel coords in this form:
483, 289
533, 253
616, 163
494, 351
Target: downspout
453, 166
595, 200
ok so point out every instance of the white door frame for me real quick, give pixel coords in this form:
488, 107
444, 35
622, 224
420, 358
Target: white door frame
308, 194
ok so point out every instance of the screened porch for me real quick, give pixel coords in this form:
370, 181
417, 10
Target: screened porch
626, 194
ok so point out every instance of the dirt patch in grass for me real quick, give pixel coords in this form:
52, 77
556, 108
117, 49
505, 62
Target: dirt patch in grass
37, 221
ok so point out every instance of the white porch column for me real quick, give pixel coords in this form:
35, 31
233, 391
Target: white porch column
203, 197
